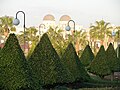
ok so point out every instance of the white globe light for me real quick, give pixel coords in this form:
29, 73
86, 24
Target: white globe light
113, 33
67, 28
16, 21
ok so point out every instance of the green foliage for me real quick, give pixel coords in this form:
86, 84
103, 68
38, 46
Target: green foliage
30, 35
0, 48
6, 24
31, 50
112, 60
72, 62
57, 40
99, 65
14, 70
99, 30
46, 64
87, 56
118, 51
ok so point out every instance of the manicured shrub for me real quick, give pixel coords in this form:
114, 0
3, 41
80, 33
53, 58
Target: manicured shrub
14, 70
45, 63
112, 59
99, 65
72, 62
87, 56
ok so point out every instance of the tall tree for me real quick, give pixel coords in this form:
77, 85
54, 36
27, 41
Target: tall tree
15, 72
100, 31
57, 40
30, 35
6, 25
80, 40
99, 65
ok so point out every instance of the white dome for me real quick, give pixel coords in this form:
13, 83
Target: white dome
49, 17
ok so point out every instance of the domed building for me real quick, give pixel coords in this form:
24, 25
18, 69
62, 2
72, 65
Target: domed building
65, 18
49, 21
49, 17
63, 21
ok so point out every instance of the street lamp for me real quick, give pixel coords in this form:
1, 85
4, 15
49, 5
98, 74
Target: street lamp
16, 22
40, 28
113, 35
68, 28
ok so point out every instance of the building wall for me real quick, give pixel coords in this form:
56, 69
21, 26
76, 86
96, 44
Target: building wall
49, 24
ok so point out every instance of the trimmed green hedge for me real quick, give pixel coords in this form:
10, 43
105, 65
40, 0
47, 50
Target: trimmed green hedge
14, 70
99, 65
112, 60
46, 64
72, 62
87, 56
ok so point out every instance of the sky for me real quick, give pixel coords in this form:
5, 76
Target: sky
83, 12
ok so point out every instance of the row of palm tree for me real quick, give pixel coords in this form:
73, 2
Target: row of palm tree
101, 31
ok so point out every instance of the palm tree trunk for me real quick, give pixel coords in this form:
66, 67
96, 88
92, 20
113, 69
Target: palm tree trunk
77, 46
94, 46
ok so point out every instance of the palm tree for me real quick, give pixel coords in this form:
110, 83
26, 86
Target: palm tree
57, 40
81, 40
30, 36
100, 31
6, 25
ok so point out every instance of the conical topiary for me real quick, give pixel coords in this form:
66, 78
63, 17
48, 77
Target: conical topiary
72, 62
46, 64
87, 56
14, 70
112, 60
99, 65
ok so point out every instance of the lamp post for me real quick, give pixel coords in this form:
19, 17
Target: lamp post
68, 28
16, 22
113, 35
40, 28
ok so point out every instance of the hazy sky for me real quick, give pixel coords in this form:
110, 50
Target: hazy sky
83, 12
